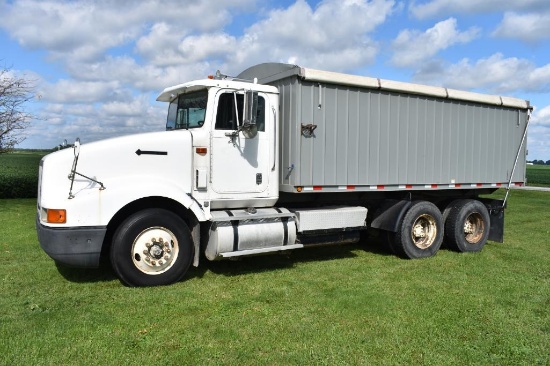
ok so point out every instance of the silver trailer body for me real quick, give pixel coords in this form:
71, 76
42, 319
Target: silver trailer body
341, 132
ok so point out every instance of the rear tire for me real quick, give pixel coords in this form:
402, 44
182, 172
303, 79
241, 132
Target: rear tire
151, 247
420, 232
467, 226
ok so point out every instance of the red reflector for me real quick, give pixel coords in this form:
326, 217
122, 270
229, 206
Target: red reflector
408, 186
458, 185
499, 184
479, 184
380, 187
350, 187
434, 185
317, 188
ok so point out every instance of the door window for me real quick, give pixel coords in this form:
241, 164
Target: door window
229, 113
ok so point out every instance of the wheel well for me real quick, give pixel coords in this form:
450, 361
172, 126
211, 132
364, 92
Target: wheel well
138, 205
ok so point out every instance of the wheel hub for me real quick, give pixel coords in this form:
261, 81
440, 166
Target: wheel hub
155, 254
474, 227
424, 231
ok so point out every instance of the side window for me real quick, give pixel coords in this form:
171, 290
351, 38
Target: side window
226, 117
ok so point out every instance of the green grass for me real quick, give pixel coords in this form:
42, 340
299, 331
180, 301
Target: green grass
538, 175
338, 305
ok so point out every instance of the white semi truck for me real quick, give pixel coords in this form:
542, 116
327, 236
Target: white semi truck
283, 157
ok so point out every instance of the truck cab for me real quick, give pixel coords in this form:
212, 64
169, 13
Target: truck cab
234, 155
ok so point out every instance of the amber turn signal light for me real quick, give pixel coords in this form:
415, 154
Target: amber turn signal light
57, 216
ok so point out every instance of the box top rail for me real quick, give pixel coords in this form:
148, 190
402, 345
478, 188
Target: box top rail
270, 72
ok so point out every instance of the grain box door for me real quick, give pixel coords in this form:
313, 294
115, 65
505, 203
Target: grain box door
239, 164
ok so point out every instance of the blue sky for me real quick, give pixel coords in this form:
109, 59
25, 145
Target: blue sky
99, 65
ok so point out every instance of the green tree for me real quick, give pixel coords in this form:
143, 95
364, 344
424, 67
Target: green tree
15, 92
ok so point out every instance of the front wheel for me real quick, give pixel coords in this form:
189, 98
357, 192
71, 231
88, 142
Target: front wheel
150, 248
420, 233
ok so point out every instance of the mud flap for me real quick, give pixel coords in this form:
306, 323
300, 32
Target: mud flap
496, 232
496, 214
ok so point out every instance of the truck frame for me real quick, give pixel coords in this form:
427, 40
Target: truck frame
283, 157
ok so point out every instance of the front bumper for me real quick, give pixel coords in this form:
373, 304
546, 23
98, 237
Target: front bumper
75, 246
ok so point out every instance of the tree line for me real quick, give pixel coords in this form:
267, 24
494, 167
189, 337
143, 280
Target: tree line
540, 162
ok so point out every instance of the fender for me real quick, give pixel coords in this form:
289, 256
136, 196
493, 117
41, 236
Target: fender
388, 216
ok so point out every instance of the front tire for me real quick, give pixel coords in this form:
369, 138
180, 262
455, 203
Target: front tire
420, 233
151, 247
467, 226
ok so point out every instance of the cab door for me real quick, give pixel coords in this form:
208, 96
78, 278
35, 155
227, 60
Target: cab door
239, 160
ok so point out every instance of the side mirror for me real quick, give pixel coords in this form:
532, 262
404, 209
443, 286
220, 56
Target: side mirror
76, 147
250, 114
250, 111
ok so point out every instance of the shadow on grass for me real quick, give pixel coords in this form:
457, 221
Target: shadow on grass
288, 259
243, 265
103, 273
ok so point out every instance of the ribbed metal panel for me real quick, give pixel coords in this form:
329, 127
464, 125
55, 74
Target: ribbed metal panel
376, 137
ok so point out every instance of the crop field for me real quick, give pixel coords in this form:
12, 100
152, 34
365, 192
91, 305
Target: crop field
538, 175
19, 174
342, 305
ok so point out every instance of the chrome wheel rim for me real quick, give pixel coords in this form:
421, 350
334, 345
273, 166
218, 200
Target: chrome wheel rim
155, 250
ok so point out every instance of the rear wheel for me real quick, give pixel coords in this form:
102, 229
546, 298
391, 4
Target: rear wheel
150, 248
420, 233
467, 226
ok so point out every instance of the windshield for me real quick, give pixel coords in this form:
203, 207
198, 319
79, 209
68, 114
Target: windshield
187, 111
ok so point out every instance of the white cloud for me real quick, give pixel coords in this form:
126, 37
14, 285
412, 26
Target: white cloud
495, 74
527, 27
541, 117
538, 137
435, 8
412, 47
98, 121
70, 91
83, 30
333, 36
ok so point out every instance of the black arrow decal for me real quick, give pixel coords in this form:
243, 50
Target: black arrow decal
145, 152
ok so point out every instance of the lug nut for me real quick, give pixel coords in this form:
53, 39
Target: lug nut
153, 262
161, 262
166, 257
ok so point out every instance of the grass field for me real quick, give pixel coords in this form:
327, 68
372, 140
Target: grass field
338, 305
